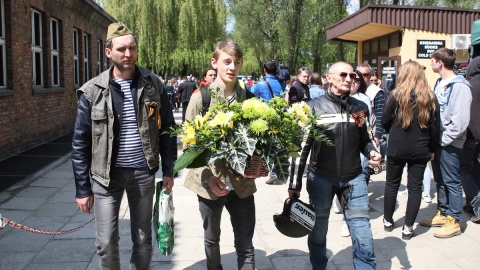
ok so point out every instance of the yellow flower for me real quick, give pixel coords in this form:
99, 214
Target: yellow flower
188, 136
259, 126
222, 119
255, 108
198, 121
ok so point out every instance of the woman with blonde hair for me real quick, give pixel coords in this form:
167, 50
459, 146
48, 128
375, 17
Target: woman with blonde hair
412, 119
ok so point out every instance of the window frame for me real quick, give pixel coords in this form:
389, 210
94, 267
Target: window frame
55, 52
86, 57
3, 49
76, 59
37, 48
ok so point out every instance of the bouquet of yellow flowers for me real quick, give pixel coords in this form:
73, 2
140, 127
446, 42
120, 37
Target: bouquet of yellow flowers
272, 130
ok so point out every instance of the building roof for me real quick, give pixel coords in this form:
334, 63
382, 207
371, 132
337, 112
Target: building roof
377, 20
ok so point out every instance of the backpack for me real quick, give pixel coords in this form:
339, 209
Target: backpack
207, 98
282, 73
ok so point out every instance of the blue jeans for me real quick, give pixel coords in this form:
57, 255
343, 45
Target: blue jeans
353, 195
446, 173
140, 188
242, 217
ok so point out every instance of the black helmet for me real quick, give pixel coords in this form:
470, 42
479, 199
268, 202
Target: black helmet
296, 220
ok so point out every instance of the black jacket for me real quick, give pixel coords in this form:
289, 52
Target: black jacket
298, 92
186, 90
413, 142
343, 159
473, 77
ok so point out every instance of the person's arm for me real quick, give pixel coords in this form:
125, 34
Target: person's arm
388, 114
168, 143
434, 127
82, 155
460, 102
379, 102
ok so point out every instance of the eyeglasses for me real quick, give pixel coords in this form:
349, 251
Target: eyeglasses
366, 74
344, 75
357, 80
304, 69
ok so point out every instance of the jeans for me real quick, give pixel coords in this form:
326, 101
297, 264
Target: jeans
446, 173
367, 171
242, 217
353, 195
140, 188
470, 169
427, 180
416, 170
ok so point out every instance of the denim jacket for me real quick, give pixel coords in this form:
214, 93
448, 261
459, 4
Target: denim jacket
93, 140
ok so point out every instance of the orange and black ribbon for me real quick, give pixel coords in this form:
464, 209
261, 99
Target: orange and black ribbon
154, 111
358, 118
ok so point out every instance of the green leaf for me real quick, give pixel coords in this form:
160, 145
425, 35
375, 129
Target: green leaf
191, 158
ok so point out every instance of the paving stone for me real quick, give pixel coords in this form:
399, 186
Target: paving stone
61, 251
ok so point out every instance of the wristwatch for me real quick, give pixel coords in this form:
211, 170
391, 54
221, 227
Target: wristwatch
205, 184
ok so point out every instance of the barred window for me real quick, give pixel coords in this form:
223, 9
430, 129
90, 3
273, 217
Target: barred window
86, 57
54, 33
76, 63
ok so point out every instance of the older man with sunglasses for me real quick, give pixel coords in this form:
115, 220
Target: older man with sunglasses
337, 170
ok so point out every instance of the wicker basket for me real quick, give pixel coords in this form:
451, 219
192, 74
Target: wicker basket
256, 168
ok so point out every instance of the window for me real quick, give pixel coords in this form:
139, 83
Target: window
86, 56
99, 56
76, 63
37, 48
54, 33
3, 50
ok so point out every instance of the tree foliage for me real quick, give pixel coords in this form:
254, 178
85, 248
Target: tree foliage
174, 36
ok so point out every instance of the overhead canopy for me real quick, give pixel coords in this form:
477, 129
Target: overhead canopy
377, 20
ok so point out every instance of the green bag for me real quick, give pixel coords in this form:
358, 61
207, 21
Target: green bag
163, 223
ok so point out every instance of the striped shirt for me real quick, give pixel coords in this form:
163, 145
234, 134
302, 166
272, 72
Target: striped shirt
130, 150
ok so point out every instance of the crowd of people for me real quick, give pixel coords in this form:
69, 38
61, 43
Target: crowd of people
120, 142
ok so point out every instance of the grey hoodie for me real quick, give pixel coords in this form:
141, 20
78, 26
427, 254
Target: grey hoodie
455, 99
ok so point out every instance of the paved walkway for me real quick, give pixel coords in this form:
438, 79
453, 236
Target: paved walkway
47, 201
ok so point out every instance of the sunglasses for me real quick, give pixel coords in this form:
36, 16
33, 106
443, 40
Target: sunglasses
344, 75
366, 74
357, 80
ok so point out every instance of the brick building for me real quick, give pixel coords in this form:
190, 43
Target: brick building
47, 50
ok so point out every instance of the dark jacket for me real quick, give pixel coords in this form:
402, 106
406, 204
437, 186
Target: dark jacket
99, 113
412, 142
186, 90
343, 159
298, 92
473, 77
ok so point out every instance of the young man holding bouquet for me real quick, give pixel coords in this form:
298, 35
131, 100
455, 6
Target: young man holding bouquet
215, 185
337, 169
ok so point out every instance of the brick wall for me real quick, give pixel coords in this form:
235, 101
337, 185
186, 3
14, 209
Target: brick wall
31, 115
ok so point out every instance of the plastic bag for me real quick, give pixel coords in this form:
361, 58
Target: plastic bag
163, 220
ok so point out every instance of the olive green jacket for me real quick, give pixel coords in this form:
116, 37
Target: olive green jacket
243, 187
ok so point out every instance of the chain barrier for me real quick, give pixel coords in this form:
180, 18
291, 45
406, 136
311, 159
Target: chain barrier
4, 221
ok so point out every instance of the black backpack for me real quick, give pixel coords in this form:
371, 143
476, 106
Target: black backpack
207, 98
282, 73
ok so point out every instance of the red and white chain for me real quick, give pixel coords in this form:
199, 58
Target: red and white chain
4, 221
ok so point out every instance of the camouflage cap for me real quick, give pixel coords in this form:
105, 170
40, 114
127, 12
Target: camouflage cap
117, 29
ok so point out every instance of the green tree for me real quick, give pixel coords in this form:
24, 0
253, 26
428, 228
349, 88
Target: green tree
174, 36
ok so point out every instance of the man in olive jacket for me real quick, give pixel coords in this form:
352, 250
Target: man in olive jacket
215, 185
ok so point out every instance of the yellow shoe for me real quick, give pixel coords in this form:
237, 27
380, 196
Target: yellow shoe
449, 229
436, 221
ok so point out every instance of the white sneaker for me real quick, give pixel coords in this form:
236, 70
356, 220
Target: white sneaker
345, 231
337, 208
403, 193
271, 180
427, 198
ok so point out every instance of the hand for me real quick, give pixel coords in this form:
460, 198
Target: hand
291, 192
167, 182
432, 156
217, 186
85, 204
375, 159
377, 141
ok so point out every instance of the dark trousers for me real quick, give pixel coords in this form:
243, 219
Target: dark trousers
470, 169
242, 217
395, 166
184, 110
